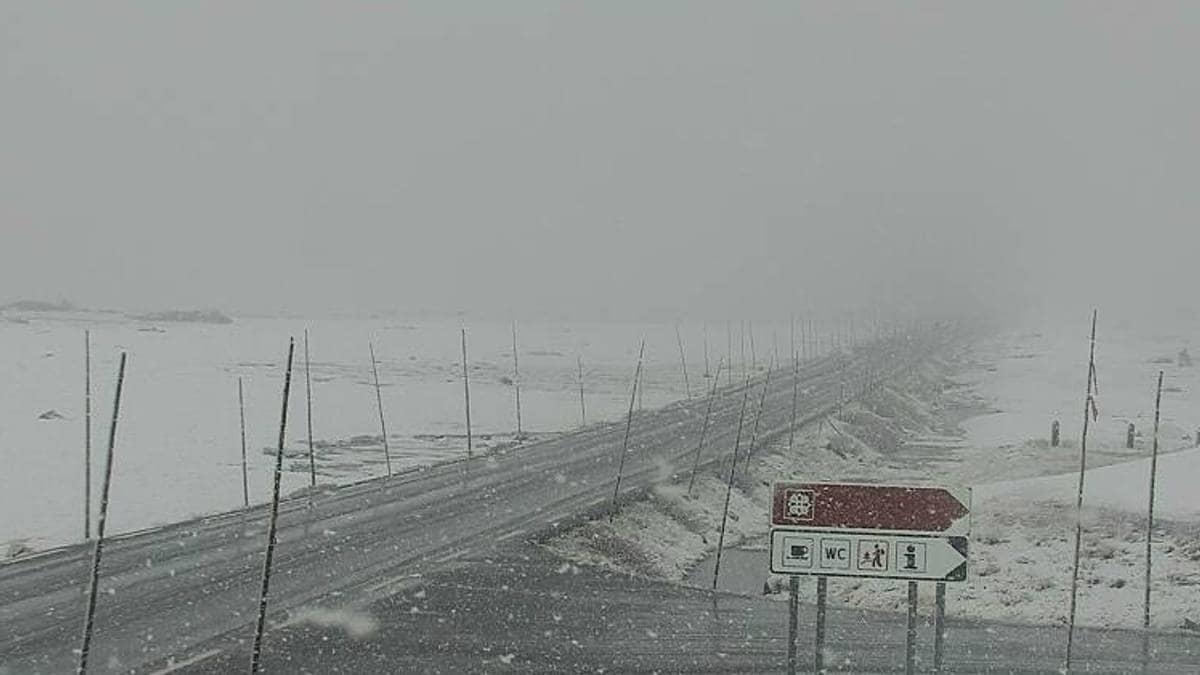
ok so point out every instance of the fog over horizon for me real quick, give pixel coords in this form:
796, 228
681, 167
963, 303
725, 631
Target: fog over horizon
601, 160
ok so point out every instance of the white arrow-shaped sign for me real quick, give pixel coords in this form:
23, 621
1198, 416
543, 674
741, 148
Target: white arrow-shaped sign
868, 554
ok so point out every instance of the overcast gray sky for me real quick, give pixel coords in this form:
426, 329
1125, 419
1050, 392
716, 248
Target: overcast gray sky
603, 158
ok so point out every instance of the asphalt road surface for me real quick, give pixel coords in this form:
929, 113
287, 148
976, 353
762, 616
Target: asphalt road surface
523, 611
166, 592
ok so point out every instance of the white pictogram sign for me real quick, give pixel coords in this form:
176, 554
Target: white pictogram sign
800, 505
878, 554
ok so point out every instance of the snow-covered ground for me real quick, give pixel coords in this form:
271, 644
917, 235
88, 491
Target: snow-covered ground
1024, 534
178, 447
983, 421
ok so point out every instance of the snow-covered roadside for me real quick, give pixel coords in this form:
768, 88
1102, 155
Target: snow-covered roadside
667, 534
1023, 527
178, 445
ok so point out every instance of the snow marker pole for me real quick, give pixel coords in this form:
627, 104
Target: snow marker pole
312, 461
753, 357
792, 334
758, 418
1087, 404
729, 486
729, 359
795, 396
582, 407
101, 519
742, 341
687, 387
466, 392
516, 378
87, 435
256, 652
387, 454
242, 421
637, 376
1150, 522
712, 394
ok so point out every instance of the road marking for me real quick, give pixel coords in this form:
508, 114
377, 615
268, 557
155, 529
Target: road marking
187, 662
510, 535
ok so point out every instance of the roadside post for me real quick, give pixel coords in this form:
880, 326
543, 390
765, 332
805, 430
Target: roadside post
793, 601
910, 533
819, 654
939, 626
910, 642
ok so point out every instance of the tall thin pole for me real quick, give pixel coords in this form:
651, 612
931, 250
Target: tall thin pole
516, 377
707, 373
256, 652
641, 391
753, 356
803, 341
814, 341
101, 519
792, 335
312, 461
729, 486
1150, 507
910, 640
729, 351
87, 435
712, 394
1087, 404
939, 626
742, 339
687, 387
637, 377
762, 400
242, 424
819, 630
793, 602
387, 453
582, 407
795, 397
466, 392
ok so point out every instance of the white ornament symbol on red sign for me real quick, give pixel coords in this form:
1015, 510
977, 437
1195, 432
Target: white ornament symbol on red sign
800, 505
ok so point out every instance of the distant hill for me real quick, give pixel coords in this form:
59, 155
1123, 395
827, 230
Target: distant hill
39, 306
185, 316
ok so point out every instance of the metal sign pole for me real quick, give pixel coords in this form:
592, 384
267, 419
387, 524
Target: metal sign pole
819, 654
910, 641
913, 533
793, 601
939, 626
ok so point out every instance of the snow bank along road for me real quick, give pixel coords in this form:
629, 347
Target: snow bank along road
167, 590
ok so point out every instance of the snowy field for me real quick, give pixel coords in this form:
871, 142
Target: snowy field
178, 447
982, 419
1024, 491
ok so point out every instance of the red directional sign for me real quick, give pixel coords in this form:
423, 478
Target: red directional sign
849, 506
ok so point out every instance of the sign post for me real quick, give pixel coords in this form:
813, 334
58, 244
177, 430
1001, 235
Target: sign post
793, 601
911, 533
910, 641
819, 655
939, 626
